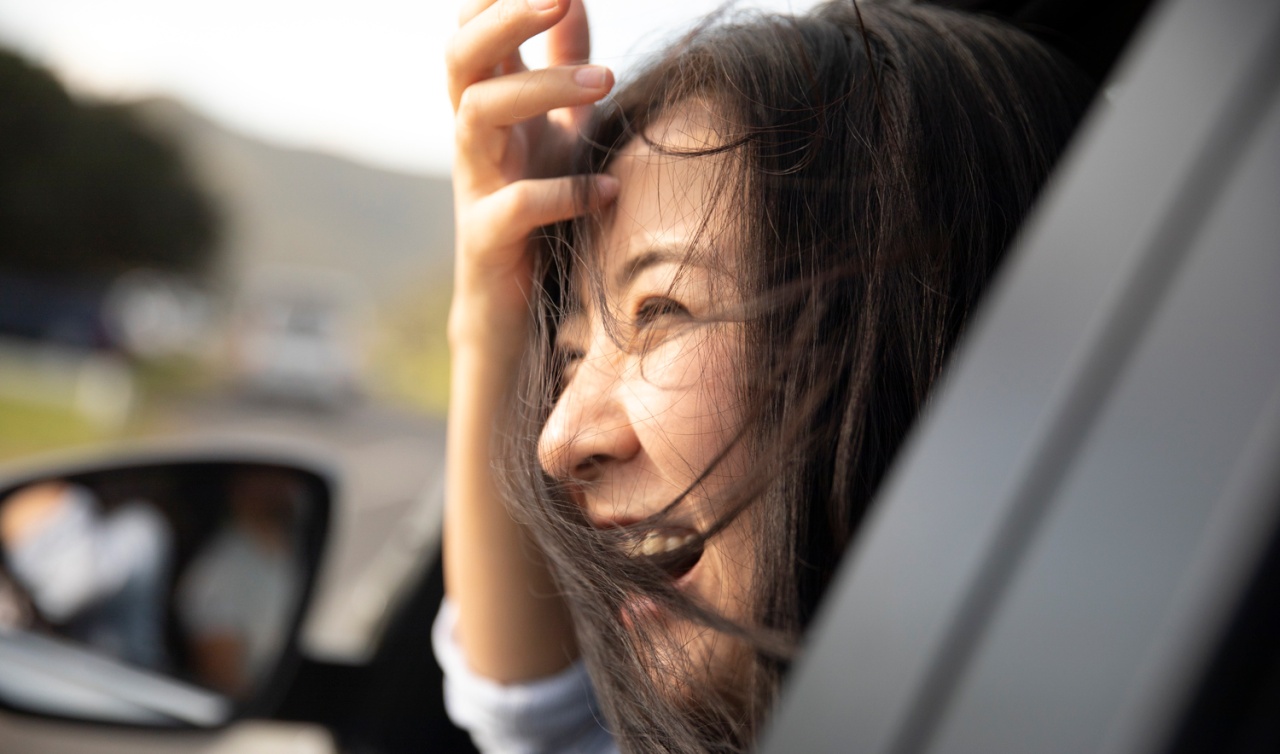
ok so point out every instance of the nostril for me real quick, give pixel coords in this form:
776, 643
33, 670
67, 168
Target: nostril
589, 468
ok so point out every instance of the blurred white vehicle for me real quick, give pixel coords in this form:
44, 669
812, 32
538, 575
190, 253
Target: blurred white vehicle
299, 342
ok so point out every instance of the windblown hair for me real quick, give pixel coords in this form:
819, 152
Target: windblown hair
878, 160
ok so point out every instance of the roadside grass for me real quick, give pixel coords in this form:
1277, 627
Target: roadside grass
28, 429
409, 360
172, 379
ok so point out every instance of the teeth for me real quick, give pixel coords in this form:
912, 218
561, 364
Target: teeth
656, 543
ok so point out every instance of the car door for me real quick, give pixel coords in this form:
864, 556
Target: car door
1077, 551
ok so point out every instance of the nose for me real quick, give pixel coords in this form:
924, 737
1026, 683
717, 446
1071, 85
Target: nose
589, 429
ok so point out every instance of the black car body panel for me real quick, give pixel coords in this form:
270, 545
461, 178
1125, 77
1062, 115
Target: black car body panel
1067, 537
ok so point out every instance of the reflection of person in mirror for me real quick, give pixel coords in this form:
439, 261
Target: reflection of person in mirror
99, 577
16, 609
236, 599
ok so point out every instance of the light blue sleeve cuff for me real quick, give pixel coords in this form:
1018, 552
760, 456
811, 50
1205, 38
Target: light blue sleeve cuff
554, 714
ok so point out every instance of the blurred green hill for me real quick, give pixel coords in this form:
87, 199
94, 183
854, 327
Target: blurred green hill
285, 207
288, 210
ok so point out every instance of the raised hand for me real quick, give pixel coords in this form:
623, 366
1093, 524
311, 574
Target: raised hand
514, 129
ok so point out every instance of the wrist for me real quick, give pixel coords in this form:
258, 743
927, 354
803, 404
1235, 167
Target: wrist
480, 326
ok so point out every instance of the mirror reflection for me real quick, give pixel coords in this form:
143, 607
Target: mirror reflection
152, 593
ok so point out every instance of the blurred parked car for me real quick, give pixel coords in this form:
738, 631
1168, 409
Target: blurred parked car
297, 339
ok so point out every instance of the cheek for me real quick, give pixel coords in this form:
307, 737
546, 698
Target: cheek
687, 402
729, 585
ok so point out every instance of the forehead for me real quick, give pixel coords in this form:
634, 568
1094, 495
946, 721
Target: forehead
671, 192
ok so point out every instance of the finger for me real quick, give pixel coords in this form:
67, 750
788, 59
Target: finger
471, 9
488, 109
571, 119
508, 100
569, 41
507, 216
492, 36
513, 64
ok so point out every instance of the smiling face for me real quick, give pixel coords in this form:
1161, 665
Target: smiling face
652, 394
807, 305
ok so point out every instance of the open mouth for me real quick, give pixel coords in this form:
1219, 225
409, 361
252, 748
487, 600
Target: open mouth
674, 550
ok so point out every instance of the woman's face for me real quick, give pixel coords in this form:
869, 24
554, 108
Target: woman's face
652, 394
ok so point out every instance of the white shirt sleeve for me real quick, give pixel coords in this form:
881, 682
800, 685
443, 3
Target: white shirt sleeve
554, 714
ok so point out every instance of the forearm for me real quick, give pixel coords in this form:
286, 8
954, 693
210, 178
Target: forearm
512, 625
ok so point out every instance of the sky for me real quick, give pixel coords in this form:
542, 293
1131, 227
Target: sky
360, 78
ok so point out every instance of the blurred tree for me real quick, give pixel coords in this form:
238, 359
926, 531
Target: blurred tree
87, 193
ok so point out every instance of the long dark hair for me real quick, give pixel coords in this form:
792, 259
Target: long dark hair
880, 158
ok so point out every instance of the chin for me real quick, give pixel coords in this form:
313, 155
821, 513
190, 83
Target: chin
696, 667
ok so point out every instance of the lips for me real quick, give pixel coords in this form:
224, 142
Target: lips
674, 550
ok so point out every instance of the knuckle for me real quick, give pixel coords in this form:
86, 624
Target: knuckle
520, 199
469, 108
492, 220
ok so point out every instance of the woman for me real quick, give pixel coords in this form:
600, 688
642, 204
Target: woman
690, 386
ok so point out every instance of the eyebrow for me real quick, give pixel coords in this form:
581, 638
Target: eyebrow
658, 255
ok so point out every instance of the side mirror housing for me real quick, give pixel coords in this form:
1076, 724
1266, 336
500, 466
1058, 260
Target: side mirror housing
157, 591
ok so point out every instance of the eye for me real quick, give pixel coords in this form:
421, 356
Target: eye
569, 346
568, 355
566, 361
656, 307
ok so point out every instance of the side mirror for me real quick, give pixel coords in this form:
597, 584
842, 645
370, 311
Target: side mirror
161, 594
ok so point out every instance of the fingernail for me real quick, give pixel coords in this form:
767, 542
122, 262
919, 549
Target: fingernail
607, 187
591, 76
543, 5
